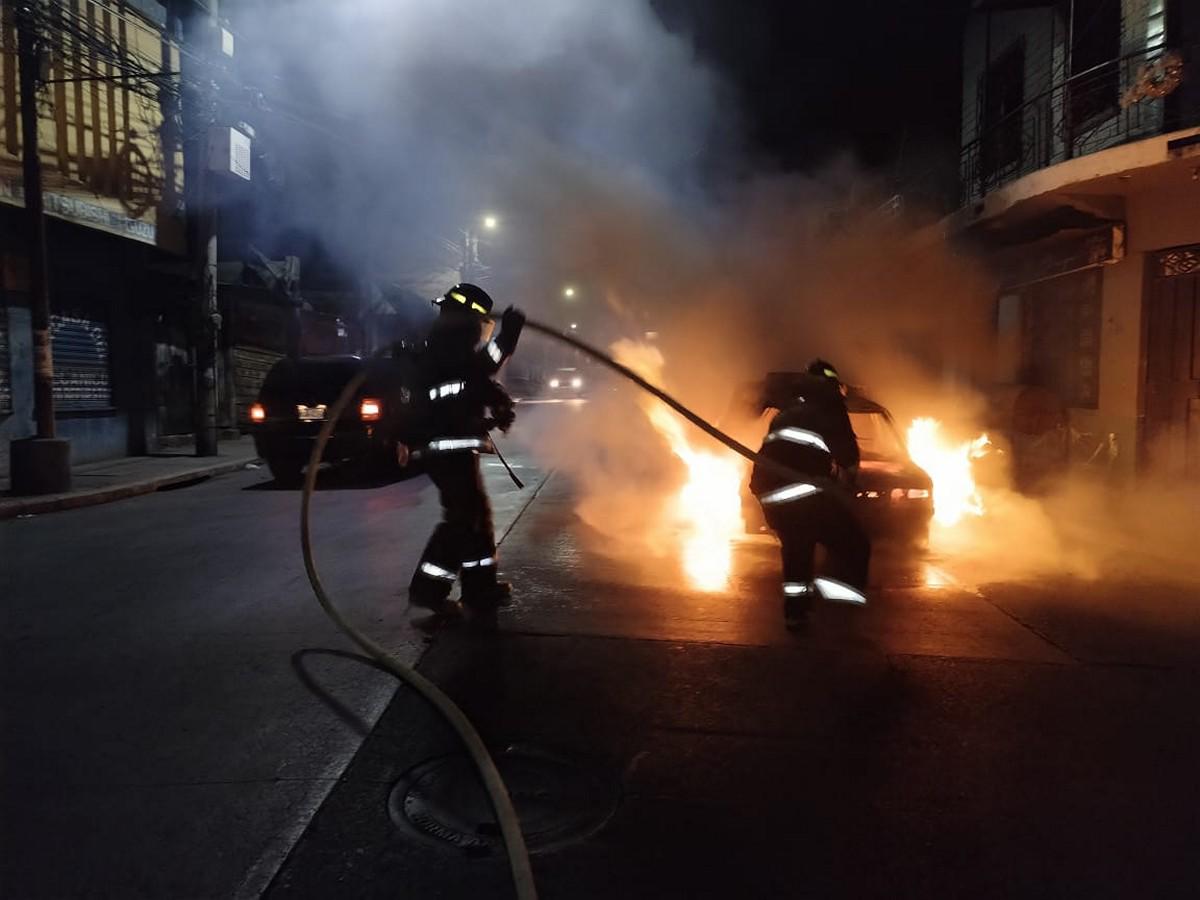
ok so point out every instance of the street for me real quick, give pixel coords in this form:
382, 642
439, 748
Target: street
162, 664
181, 721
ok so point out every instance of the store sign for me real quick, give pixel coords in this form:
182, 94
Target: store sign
84, 212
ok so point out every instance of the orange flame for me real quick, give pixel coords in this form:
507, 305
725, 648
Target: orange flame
955, 493
706, 513
708, 508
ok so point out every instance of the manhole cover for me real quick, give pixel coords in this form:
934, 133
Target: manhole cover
557, 800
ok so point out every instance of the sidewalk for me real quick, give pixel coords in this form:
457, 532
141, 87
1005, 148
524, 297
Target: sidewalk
116, 479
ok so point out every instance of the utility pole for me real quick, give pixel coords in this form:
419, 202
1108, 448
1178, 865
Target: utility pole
200, 33
42, 464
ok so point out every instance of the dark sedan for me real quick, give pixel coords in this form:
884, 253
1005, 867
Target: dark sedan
297, 396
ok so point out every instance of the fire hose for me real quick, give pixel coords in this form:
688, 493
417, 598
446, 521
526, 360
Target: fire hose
506, 817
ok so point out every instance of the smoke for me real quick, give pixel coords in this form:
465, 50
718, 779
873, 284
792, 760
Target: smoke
609, 155
405, 122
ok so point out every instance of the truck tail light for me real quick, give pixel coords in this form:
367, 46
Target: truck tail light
258, 412
370, 409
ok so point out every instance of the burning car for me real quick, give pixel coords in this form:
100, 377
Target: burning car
893, 495
297, 395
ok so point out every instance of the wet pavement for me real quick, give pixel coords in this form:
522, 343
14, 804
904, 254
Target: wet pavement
175, 705
1032, 739
181, 721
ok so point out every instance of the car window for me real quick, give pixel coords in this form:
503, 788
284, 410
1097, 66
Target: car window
877, 438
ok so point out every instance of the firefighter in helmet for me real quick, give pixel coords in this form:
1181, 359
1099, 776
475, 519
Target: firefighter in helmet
813, 436
464, 403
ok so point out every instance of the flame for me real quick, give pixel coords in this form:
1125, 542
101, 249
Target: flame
955, 493
706, 513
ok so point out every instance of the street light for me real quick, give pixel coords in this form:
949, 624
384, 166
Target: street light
490, 222
568, 292
574, 326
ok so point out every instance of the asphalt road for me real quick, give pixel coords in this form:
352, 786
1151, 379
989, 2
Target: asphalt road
1022, 739
1031, 738
175, 704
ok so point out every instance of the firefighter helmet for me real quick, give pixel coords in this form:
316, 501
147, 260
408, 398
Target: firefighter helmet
468, 297
824, 369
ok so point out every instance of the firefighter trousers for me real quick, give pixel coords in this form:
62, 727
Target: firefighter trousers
464, 543
803, 523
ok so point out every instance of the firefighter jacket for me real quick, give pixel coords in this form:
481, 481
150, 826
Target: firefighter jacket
462, 400
813, 437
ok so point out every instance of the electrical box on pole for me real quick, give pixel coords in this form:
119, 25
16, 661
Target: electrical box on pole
229, 152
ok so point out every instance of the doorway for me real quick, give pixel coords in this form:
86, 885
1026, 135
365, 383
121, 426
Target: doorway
1172, 431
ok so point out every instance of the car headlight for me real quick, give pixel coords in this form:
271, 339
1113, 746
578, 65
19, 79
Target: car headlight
554, 382
577, 383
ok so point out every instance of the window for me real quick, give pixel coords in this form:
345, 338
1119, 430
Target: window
1095, 47
1062, 337
1003, 95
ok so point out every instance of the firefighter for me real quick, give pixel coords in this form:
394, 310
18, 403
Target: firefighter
813, 436
464, 403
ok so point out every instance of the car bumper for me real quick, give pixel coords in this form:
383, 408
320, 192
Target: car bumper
882, 517
343, 444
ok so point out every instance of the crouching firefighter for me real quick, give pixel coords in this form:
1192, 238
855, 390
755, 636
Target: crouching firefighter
813, 436
464, 403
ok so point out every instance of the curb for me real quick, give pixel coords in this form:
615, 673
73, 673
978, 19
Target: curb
11, 508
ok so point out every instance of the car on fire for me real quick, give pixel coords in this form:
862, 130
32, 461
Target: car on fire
297, 395
893, 495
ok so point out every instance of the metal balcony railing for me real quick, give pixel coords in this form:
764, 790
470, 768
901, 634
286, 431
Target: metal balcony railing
1133, 97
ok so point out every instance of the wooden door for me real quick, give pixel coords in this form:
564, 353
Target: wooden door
1173, 365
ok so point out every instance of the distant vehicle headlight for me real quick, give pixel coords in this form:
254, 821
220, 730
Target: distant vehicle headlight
577, 383
554, 382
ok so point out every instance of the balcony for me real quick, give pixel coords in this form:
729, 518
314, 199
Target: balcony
1137, 96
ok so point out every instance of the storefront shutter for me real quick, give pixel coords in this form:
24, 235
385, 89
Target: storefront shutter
81, 365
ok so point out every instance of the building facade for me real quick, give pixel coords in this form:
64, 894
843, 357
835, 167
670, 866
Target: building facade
112, 177
1080, 170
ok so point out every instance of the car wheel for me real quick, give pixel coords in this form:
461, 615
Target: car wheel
287, 470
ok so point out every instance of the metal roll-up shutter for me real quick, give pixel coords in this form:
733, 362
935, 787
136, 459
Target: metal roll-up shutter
250, 368
5, 365
81, 366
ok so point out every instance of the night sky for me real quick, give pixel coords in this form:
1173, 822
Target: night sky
878, 78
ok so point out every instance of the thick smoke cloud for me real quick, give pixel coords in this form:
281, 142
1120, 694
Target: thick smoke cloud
610, 155
426, 114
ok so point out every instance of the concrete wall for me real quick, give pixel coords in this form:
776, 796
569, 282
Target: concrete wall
1120, 353
93, 436
1156, 220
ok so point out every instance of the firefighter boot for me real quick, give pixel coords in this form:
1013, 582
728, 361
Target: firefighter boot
797, 601
481, 592
430, 591
489, 597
